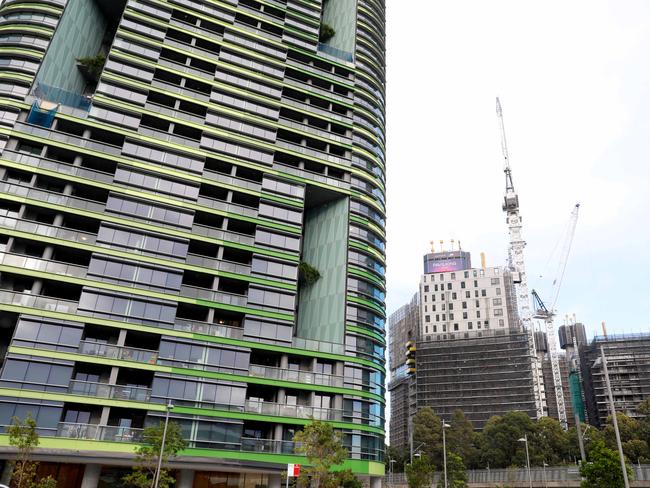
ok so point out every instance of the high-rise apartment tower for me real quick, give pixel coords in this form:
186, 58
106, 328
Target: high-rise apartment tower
192, 213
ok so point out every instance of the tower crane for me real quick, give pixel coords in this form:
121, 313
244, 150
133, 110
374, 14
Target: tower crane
547, 313
517, 265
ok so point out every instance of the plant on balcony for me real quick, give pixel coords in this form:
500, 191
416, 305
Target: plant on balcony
147, 454
326, 32
23, 436
307, 274
91, 67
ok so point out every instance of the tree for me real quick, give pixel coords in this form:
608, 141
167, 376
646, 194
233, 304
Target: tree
322, 446
603, 469
550, 444
23, 436
499, 440
147, 456
456, 472
461, 439
419, 474
427, 435
400, 456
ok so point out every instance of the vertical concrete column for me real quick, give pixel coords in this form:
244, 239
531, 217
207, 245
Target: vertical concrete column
275, 481
91, 476
375, 482
5, 477
185, 478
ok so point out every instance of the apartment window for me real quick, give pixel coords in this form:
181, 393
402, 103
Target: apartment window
426, 288
462, 284
424, 278
451, 306
433, 298
483, 293
476, 293
501, 323
474, 273
433, 308
437, 318
477, 303
427, 318
444, 317
454, 296
444, 327
498, 291
482, 272
435, 328
435, 287
448, 286
494, 281
455, 326
443, 306
464, 304
498, 312
453, 276
451, 316
426, 329
466, 274
425, 298
478, 314
442, 296
464, 315
486, 324
425, 308
467, 294
470, 326
442, 277
496, 301
475, 283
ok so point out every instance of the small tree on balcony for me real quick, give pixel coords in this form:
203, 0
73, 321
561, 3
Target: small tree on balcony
23, 436
147, 454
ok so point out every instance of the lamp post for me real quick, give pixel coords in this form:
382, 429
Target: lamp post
524, 439
544, 471
614, 420
156, 478
444, 449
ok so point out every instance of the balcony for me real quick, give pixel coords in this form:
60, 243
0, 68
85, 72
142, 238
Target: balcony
37, 264
98, 432
103, 390
216, 264
225, 235
295, 376
296, 411
36, 301
52, 197
213, 296
44, 230
207, 328
112, 351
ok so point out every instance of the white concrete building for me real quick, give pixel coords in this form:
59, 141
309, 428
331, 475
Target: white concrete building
464, 302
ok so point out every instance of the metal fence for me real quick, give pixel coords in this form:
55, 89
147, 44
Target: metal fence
518, 475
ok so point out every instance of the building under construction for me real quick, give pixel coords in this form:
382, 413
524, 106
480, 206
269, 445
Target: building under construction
628, 364
403, 326
485, 374
459, 345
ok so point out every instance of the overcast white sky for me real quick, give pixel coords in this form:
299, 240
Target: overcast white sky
574, 82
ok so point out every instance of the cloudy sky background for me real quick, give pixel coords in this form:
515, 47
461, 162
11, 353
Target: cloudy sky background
574, 82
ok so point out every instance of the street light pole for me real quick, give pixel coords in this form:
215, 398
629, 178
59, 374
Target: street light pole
524, 439
156, 478
614, 420
444, 450
544, 471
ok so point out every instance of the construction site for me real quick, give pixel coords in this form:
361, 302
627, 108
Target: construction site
472, 340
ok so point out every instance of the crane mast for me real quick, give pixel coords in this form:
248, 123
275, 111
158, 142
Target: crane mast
518, 267
547, 314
